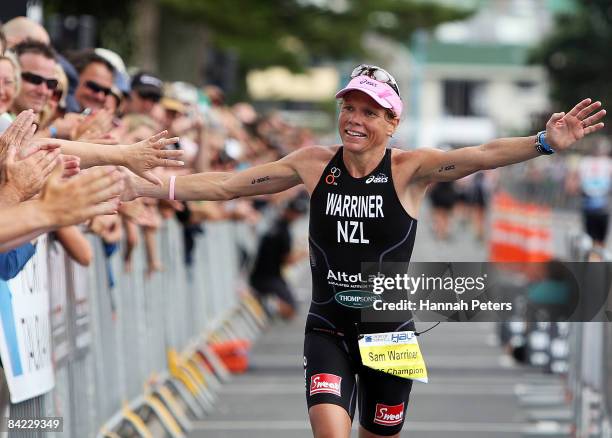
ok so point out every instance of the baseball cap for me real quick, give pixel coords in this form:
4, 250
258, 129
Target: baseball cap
147, 83
382, 93
172, 104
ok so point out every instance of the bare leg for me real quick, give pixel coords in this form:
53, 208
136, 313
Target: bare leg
329, 421
153, 262
479, 215
131, 231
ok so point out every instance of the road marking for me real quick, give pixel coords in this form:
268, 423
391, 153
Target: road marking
421, 426
447, 389
433, 361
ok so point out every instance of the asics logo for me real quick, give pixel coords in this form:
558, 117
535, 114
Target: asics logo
377, 179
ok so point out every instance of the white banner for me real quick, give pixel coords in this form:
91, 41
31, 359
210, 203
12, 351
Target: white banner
25, 338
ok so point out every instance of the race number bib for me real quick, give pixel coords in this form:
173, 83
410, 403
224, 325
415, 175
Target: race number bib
396, 353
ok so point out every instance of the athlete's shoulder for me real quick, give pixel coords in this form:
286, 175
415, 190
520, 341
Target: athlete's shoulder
406, 163
402, 157
312, 153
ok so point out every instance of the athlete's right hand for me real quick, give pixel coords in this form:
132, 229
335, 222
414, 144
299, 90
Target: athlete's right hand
142, 157
72, 201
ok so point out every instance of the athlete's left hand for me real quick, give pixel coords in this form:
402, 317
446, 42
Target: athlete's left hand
563, 130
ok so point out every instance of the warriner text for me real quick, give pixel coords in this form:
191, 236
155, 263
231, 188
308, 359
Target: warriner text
369, 206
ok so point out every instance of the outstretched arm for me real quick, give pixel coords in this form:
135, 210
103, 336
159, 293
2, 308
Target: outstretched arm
139, 157
562, 130
218, 186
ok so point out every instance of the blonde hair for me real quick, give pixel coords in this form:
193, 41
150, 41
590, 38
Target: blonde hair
10, 57
135, 121
62, 82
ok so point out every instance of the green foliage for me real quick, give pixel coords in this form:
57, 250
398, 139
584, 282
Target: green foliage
295, 32
292, 33
577, 54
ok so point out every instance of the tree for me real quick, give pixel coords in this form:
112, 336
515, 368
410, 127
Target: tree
293, 33
260, 33
577, 54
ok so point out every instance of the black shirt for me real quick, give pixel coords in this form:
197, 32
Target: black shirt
355, 221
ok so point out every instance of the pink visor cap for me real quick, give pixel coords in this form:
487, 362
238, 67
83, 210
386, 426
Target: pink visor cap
382, 93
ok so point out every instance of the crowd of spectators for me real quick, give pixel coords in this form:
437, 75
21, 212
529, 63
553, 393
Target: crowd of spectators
72, 125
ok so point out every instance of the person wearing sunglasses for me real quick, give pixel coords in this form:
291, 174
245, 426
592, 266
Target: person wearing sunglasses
364, 204
95, 80
38, 79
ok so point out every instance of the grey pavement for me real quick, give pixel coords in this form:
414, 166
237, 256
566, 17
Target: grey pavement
472, 390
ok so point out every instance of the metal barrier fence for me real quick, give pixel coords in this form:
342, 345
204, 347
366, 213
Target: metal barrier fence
579, 352
115, 347
540, 181
590, 373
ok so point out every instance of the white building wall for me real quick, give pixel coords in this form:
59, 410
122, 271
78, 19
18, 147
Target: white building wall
508, 107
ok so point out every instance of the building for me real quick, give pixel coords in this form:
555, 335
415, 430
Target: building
471, 81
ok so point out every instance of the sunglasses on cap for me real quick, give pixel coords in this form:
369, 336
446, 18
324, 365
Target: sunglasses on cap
97, 88
149, 95
377, 73
35, 79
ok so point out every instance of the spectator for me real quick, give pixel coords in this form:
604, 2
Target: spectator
274, 252
96, 77
2, 41
443, 197
13, 261
63, 202
37, 63
147, 91
595, 176
145, 213
20, 29
10, 81
56, 105
115, 102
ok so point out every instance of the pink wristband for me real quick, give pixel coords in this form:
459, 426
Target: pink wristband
171, 191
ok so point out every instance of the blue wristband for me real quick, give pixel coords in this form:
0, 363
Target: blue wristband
53, 131
541, 142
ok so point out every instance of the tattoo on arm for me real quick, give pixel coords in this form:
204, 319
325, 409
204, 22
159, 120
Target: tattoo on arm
445, 168
260, 180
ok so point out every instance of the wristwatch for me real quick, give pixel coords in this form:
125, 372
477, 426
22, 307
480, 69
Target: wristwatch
541, 146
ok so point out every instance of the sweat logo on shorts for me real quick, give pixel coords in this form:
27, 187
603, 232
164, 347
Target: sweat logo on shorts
389, 415
325, 383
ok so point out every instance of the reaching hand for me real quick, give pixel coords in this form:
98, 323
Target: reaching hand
562, 130
91, 193
130, 191
94, 126
142, 157
72, 165
19, 133
27, 176
66, 126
